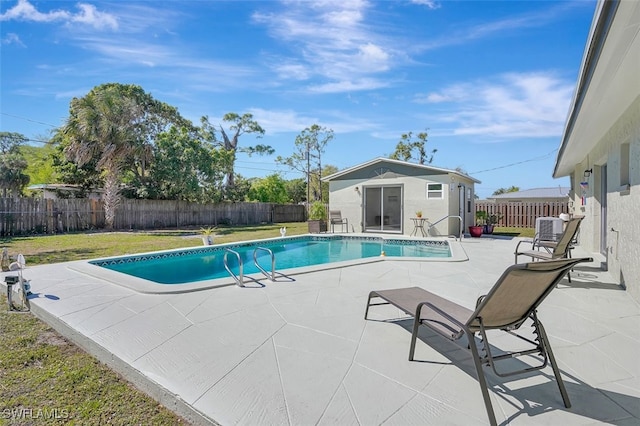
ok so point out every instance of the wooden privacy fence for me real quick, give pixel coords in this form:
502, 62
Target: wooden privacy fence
19, 216
523, 214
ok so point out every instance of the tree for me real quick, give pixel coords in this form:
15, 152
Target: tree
239, 126
87, 176
270, 189
10, 142
13, 178
115, 126
239, 191
505, 190
310, 145
184, 168
408, 145
39, 163
326, 171
296, 190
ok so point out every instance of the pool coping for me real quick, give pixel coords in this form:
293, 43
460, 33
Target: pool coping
140, 285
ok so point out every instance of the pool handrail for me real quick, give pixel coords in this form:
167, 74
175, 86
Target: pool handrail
271, 276
431, 225
239, 279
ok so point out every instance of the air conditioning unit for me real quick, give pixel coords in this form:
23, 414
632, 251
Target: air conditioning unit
549, 228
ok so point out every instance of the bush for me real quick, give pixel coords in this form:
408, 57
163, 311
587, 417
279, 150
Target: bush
318, 211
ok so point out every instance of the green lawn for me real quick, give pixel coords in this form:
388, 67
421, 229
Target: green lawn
44, 379
66, 247
43, 376
514, 232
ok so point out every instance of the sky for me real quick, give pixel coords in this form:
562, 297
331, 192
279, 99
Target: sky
490, 81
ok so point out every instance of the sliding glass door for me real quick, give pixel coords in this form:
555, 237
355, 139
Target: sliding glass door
383, 209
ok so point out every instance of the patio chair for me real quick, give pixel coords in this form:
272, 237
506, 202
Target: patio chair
552, 249
335, 218
513, 299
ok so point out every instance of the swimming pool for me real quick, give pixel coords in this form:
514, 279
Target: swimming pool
197, 268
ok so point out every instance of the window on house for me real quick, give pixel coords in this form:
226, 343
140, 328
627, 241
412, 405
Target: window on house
624, 164
434, 191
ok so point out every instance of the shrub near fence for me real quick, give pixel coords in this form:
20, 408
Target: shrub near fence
522, 214
19, 216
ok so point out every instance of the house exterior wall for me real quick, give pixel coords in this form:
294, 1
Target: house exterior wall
620, 240
343, 196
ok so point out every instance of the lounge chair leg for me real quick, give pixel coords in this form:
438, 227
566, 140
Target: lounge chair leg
554, 365
414, 337
481, 378
366, 312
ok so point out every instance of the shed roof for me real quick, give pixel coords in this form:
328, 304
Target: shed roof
389, 161
553, 192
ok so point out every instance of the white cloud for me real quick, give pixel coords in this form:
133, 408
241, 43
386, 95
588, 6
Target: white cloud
88, 15
349, 86
331, 41
499, 27
373, 57
289, 121
25, 11
514, 105
292, 71
12, 38
282, 121
431, 4
126, 52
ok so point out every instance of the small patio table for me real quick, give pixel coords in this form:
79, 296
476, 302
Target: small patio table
418, 223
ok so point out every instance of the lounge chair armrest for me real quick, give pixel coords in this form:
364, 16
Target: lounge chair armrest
532, 242
444, 314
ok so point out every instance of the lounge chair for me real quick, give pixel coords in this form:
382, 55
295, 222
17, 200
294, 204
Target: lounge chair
552, 249
513, 299
335, 218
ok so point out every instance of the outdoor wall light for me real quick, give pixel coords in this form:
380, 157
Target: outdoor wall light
357, 189
588, 172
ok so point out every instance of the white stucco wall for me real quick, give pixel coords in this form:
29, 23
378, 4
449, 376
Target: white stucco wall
343, 196
622, 245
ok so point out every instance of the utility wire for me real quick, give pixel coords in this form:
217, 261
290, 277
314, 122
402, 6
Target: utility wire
542, 157
28, 119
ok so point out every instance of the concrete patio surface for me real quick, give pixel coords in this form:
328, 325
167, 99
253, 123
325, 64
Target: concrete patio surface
299, 352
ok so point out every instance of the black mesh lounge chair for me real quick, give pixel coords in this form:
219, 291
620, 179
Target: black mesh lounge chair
335, 218
552, 249
513, 299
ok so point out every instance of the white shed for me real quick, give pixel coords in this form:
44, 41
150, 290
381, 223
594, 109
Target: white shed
384, 195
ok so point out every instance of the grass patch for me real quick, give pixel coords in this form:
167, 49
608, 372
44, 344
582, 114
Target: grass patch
45, 379
514, 232
39, 250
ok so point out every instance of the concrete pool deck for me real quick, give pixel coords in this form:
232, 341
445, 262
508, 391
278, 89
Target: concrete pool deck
299, 351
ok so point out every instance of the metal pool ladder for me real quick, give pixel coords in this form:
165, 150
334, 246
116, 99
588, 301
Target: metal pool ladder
239, 278
271, 276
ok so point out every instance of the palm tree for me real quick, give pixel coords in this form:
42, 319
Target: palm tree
114, 125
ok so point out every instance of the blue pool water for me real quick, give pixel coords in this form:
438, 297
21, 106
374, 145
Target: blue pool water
206, 263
